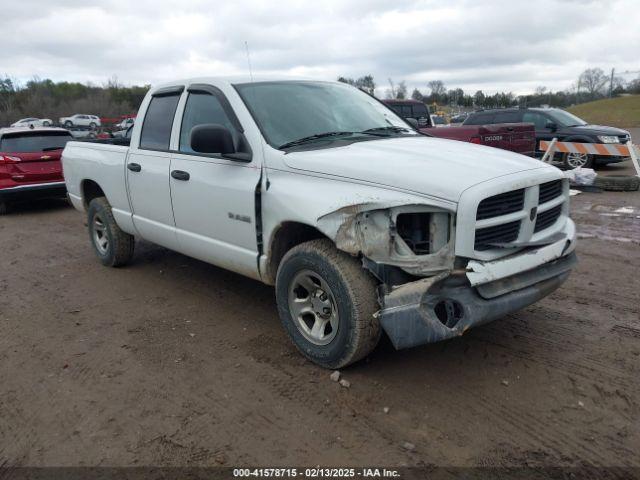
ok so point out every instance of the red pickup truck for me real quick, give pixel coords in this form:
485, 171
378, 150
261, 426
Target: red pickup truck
516, 137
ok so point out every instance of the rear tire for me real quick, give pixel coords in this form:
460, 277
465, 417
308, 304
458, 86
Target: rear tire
4, 208
113, 247
46, 124
92, 126
317, 284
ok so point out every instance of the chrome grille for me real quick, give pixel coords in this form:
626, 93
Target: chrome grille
487, 237
501, 204
516, 216
549, 191
547, 218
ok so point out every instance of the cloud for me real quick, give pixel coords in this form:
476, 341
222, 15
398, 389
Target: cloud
494, 45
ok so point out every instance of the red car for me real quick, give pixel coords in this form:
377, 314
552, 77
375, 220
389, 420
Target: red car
30, 164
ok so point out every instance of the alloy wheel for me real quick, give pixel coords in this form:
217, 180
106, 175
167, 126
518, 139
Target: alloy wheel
100, 238
313, 307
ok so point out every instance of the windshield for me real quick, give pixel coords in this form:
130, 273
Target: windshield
289, 111
565, 119
34, 142
439, 121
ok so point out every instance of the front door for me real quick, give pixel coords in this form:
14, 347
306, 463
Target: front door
213, 197
148, 172
540, 121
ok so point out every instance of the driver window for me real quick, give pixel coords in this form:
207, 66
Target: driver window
540, 121
202, 108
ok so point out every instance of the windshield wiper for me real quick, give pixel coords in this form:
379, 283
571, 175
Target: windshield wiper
376, 132
51, 148
389, 128
311, 138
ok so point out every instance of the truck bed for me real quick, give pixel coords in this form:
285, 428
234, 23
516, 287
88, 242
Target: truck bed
97, 162
515, 137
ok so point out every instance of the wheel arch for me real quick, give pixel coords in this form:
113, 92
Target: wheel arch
284, 237
89, 190
577, 139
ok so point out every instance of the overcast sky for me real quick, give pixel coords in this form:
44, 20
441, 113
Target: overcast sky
490, 45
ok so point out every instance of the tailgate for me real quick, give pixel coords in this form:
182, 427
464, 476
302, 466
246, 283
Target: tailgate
516, 137
34, 167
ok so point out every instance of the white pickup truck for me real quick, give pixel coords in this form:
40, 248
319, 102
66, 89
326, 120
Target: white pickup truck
361, 223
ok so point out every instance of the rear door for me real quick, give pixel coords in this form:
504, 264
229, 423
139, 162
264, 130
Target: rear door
33, 156
148, 166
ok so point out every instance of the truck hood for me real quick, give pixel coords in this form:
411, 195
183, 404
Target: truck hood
429, 166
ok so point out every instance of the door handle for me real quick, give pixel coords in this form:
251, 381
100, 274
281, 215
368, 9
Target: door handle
134, 167
180, 175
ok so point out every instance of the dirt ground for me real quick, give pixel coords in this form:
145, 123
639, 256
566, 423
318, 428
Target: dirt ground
175, 362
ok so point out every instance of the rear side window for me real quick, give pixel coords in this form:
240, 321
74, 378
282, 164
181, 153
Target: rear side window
156, 128
396, 108
39, 142
202, 108
419, 111
507, 117
480, 119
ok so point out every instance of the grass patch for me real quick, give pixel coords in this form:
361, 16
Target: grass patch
622, 112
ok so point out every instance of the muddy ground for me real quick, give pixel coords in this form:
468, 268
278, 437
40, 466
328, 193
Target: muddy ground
175, 362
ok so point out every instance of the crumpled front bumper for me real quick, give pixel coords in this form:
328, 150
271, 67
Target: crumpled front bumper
437, 308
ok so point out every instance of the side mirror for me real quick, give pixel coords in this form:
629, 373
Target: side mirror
551, 126
413, 122
212, 138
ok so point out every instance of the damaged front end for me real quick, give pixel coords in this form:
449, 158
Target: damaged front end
428, 294
418, 239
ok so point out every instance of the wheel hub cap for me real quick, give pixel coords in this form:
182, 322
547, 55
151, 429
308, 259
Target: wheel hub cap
100, 239
576, 160
313, 308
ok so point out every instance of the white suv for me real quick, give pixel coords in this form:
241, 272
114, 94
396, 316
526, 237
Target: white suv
80, 120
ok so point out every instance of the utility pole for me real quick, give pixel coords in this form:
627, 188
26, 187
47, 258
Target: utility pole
611, 83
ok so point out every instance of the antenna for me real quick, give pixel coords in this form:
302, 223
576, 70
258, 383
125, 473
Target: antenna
246, 47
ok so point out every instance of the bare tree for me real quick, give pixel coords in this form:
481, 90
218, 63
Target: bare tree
593, 80
401, 90
365, 83
437, 89
417, 95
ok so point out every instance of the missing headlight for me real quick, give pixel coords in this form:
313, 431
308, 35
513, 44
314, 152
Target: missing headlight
421, 233
413, 228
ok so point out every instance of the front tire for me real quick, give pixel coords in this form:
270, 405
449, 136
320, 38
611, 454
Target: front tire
4, 208
113, 247
92, 126
326, 302
68, 124
46, 124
